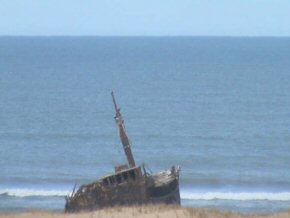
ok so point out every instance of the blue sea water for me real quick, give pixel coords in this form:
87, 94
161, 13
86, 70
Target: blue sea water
217, 106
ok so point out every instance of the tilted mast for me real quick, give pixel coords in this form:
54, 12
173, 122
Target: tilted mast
123, 135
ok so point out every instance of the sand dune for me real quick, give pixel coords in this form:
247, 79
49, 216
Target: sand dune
149, 211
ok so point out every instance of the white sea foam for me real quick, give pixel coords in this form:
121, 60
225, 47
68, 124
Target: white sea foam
239, 196
33, 192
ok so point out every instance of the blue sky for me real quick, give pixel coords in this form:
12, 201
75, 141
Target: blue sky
145, 17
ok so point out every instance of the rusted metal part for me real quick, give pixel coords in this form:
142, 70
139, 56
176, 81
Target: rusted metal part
128, 185
123, 135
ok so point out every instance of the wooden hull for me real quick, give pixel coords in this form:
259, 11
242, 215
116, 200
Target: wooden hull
159, 188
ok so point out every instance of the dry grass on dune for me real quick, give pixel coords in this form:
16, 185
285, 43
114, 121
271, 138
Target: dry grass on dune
148, 211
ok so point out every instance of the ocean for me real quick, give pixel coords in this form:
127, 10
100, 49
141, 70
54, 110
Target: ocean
219, 107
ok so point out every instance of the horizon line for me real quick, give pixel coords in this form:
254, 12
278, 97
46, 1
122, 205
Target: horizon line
151, 36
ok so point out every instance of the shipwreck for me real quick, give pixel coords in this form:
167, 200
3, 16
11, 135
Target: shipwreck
130, 184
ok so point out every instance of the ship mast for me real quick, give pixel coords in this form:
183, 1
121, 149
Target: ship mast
123, 135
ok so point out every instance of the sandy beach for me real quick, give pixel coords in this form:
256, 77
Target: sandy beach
151, 211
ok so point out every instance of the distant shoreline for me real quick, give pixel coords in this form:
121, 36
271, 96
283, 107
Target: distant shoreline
149, 211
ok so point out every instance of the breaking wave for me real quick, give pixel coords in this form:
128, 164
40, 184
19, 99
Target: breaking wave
33, 193
238, 196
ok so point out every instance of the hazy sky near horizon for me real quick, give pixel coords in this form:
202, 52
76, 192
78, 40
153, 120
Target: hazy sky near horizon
145, 17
